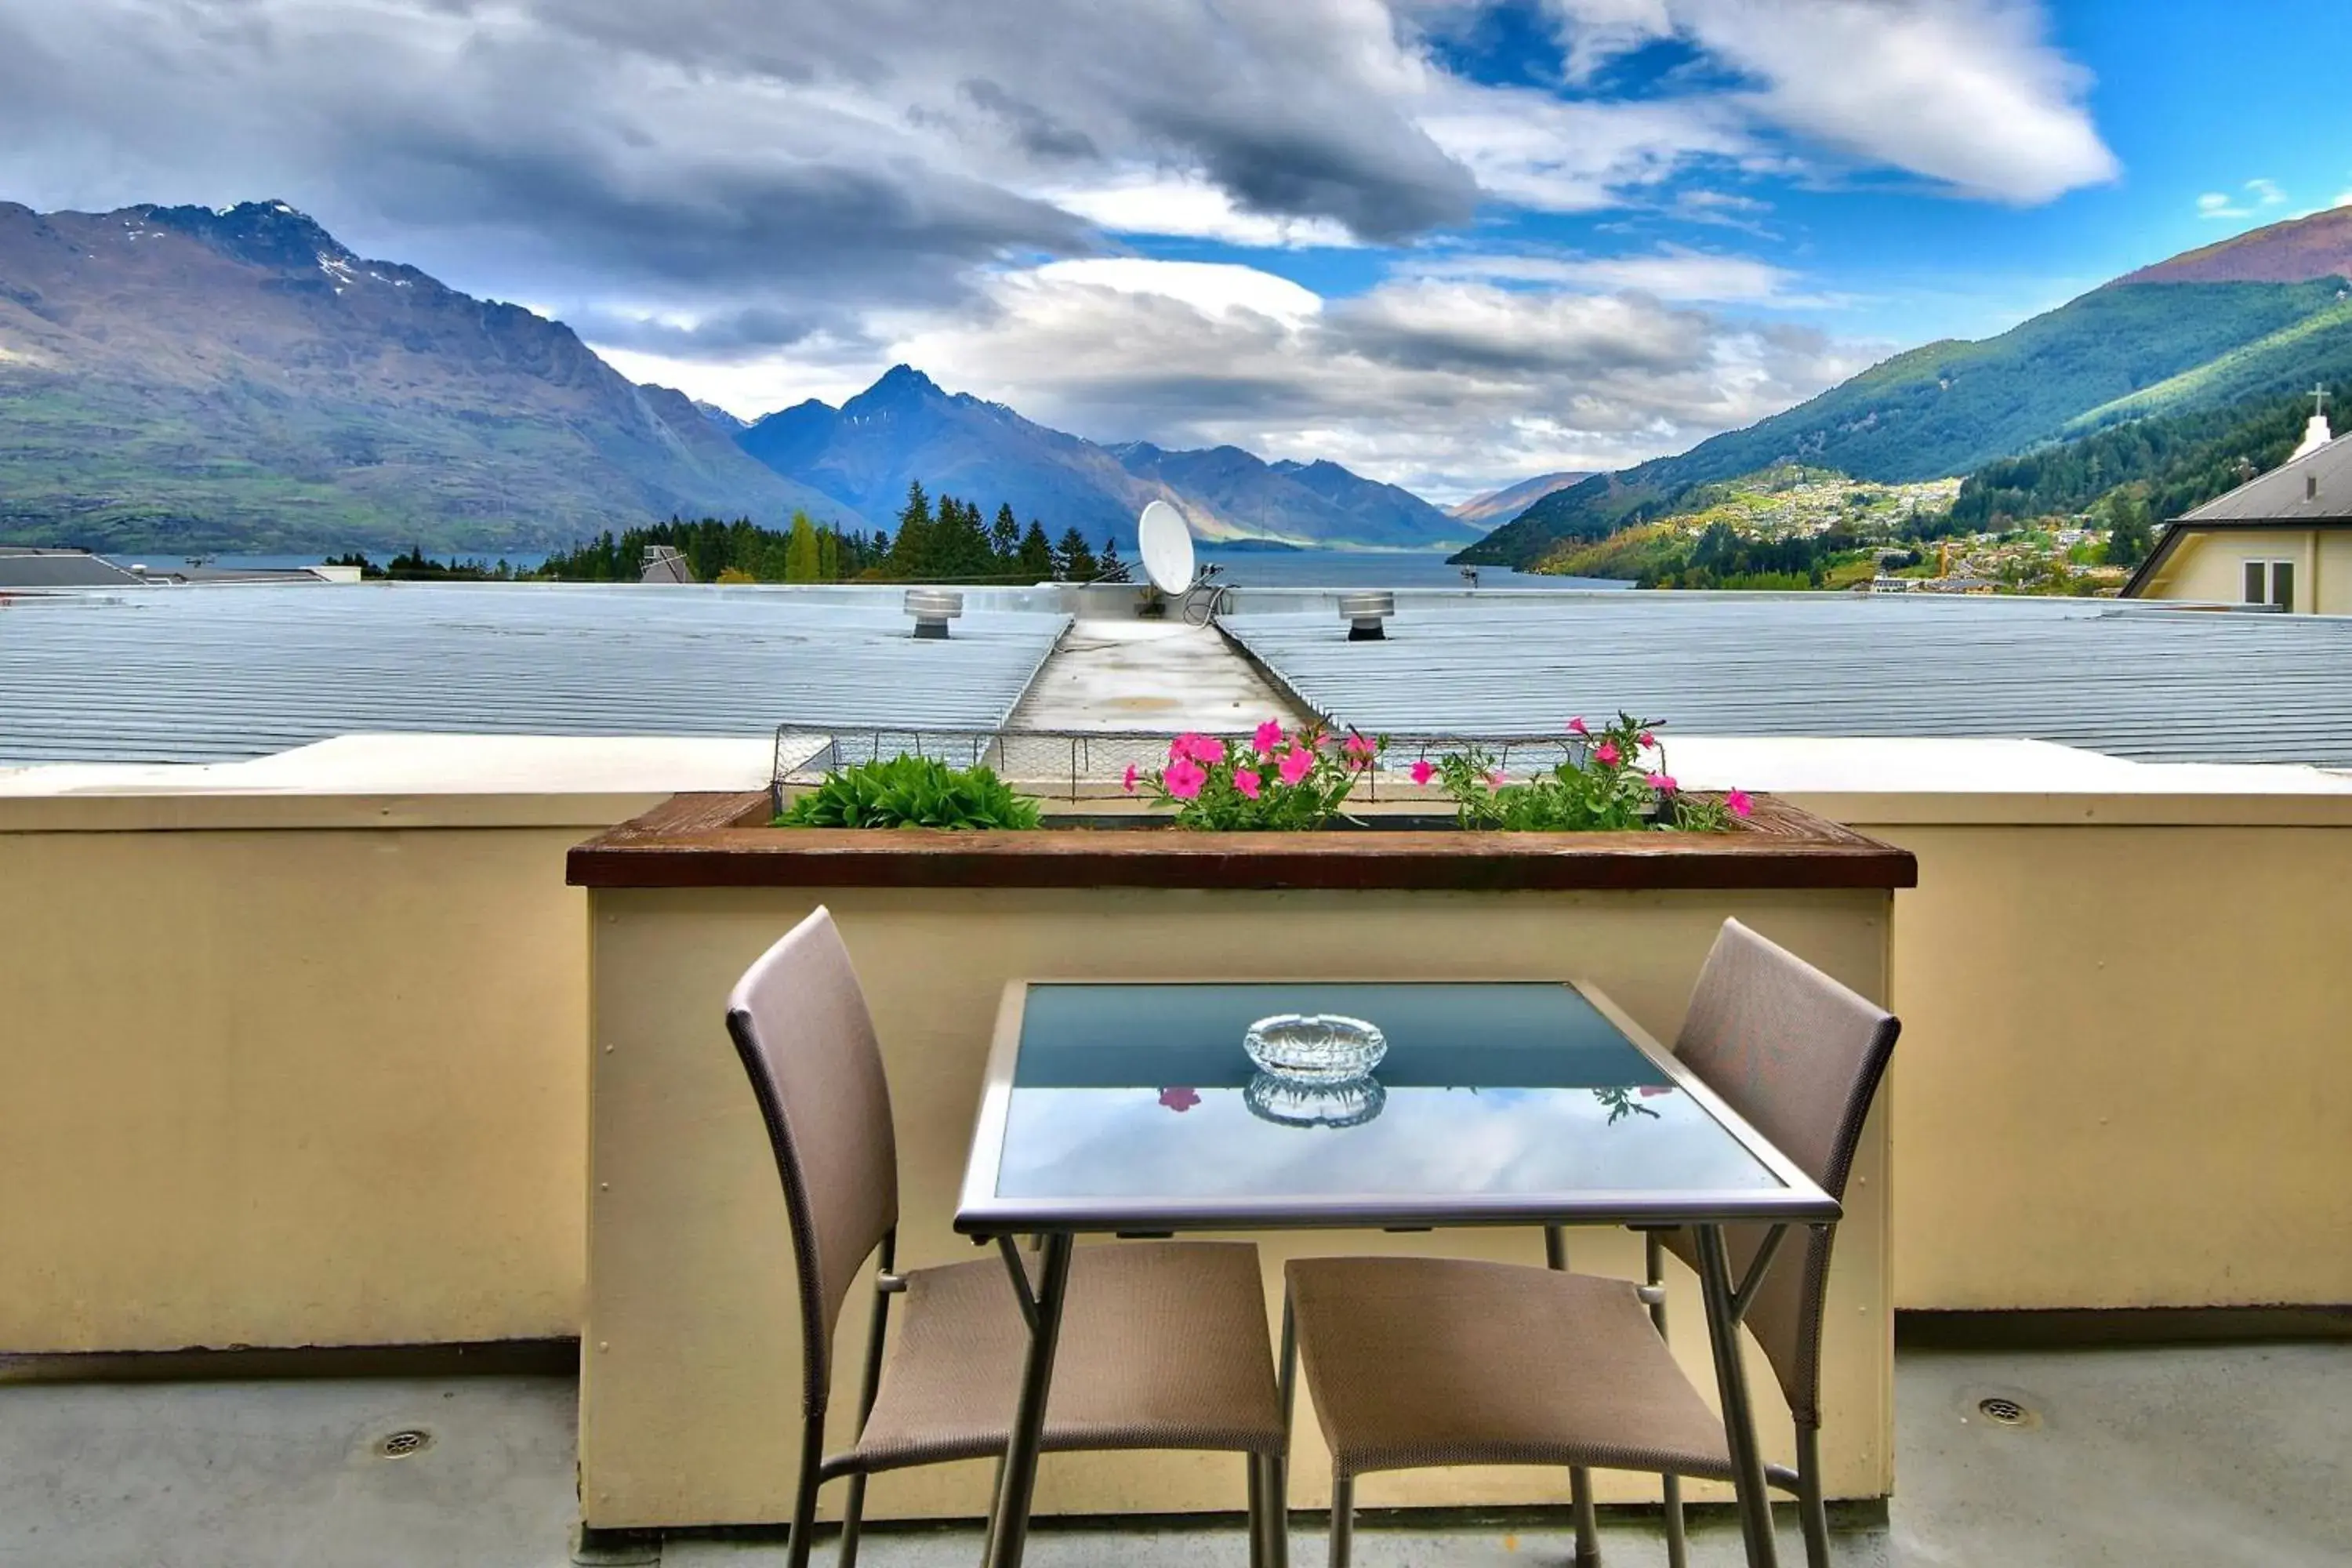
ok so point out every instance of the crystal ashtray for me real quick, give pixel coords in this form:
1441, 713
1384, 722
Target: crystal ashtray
1290, 1103
1315, 1047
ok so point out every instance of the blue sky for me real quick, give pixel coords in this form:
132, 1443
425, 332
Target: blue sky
1450, 243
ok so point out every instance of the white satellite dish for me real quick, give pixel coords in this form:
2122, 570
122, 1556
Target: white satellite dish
1166, 540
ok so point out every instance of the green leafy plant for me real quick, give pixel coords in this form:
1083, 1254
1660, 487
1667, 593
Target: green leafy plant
911, 792
1277, 781
1613, 780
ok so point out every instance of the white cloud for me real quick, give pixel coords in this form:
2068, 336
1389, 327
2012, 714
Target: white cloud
1966, 92
1671, 272
1186, 205
1529, 148
2265, 194
1446, 385
1210, 288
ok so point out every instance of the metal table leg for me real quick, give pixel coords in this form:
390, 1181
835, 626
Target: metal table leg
1716, 1291
1009, 1530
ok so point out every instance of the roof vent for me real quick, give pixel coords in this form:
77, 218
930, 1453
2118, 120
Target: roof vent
933, 608
1365, 613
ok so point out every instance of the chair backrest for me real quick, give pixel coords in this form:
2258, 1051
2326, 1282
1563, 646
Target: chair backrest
799, 1021
1800, 1057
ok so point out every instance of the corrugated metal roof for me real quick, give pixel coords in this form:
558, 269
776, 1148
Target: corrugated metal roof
218, 674
62, 569
2130, 681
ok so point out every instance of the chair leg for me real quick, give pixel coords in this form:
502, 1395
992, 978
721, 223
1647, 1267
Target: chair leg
798, 1544
1811, 1510
1343, 1517
852, 1515
1678, 1543
1277, 1511
1257, 1464
1588, 1528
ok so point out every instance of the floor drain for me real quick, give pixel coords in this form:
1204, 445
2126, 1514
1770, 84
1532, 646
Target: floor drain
400, 1444
2005, 1412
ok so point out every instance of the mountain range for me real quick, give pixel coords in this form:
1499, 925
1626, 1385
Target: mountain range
1512, 500
236, 379
2252, 317
180, 377
905, 428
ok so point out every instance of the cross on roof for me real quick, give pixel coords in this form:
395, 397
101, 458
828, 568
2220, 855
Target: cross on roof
2319, 400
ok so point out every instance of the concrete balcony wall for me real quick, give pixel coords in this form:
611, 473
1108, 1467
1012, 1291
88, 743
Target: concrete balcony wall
295, 1059
295, 1052
2123, 1079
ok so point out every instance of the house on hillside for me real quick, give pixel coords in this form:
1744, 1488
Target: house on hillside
2282, 539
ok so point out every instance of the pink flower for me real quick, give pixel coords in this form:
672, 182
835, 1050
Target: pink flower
1647, 739
1607, 754
1295, 764
1206, 750
1739, 802
1180, 1100
1128, 782
1495, 779
1360, 752
1662, 783
1247, 781
1184, 779
1269, 736
1576, 726
1423, 771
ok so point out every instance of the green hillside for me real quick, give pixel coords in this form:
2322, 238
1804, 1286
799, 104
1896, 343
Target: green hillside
1951, 408
2172, 464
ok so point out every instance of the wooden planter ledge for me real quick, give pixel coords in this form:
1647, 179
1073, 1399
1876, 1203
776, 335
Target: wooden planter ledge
723, 841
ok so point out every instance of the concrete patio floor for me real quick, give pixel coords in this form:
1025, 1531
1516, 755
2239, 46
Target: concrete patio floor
2142, 1457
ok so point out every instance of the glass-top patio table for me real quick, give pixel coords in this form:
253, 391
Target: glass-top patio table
1133, 1109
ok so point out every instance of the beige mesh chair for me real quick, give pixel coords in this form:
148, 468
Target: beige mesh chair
1418, 1362
1163, 1346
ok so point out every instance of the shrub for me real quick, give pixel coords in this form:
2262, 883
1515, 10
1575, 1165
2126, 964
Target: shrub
911, 792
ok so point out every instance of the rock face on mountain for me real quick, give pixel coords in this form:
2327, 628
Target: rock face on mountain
2300, 250
182, 377
2257, 316
904, 428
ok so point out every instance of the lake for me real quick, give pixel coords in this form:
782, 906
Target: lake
1243, 568
1372, 568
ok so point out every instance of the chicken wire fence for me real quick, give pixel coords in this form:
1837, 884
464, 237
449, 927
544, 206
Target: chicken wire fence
1084, 765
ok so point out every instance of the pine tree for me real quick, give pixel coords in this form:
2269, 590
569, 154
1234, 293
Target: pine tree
1036, 558
1004, 540
1073, 561
911, 556
1113, 569
959, 540
801, 551
828, 555
2130, 531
